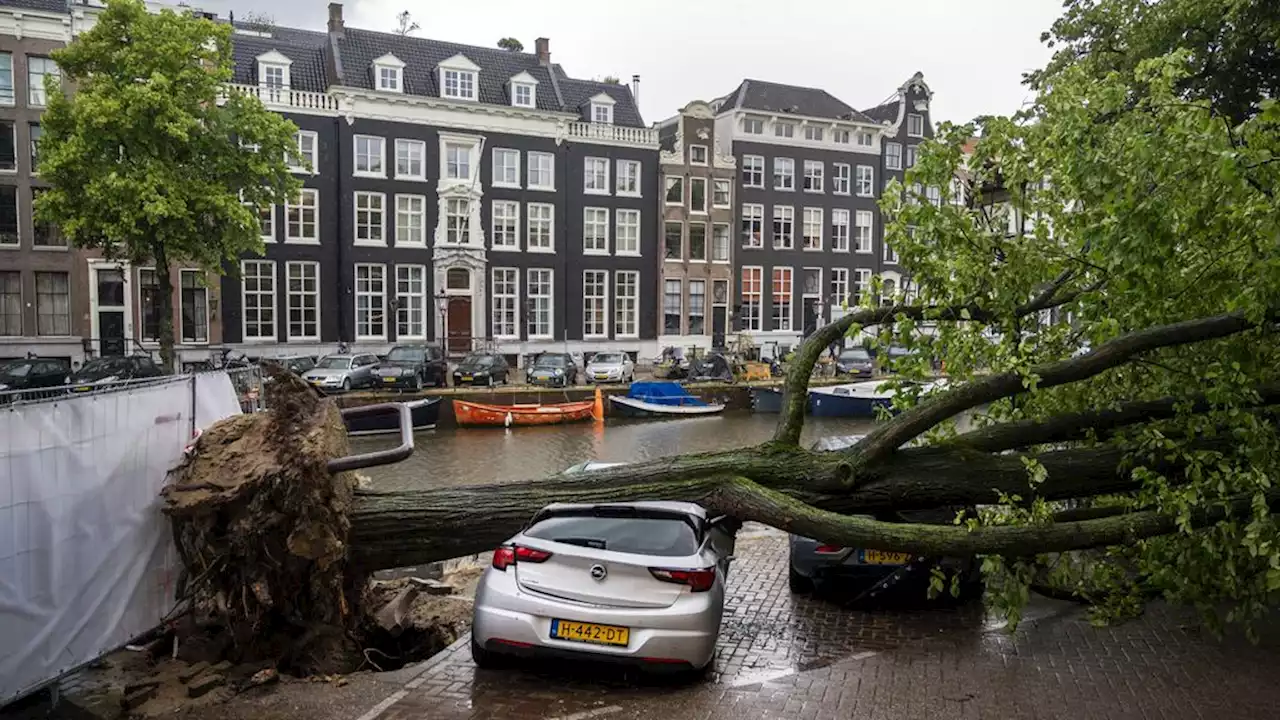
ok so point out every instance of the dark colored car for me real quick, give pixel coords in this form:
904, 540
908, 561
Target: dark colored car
481, 369
411, 367
298, 364
554, 370
107, 370
32, 374
813, 564
856, 362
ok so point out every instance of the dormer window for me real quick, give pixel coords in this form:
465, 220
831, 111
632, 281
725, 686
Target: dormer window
602, 109
523, 90
459, 78
388, 74
273, 74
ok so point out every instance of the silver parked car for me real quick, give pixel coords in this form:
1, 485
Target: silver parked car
640, 583
611, 367
343, 372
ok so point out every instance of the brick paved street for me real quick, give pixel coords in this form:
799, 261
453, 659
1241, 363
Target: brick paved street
803, 659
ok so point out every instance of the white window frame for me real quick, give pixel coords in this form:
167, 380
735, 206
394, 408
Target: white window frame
462, 229
812, 218
841, 179
259, 293
718, 184
627, 181
672, 289
778, 321
595, 176
725, 231
312, 157
859, 246
368, 226
752, 126
405, 214
784, 214
549, 221
840, 136
292, 298
502, 168
200, 274
413, 151
839, 285
756, 323
595, 241
405, 292
671, 181
358, 294
535, 299
602, 113
865, 182
890, 255
267, 229
864, 138
840, 230
505, 303
626, 228
448, 142
784, 129
35, 91
706, 239
369, 156
603, 307
752, 213
810, 131
784, 174
517, 87
689, 313
911, 156
861, 283
695, 182
504, 226
533, 167
693, 155
893, 156
815, 176
6, 67
459, 84
915, 125
626, 308
303, 207
753, 171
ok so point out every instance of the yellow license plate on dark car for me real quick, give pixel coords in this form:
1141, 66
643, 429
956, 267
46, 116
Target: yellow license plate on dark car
590, 633
466, 378
390, 379
880, 557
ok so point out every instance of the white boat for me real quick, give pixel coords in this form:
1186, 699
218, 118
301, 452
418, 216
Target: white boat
858, 399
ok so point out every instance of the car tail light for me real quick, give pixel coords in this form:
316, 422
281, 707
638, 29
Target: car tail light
509, 554
828, 549
698, 580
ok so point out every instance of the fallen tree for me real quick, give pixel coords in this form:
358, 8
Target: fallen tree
1101, 282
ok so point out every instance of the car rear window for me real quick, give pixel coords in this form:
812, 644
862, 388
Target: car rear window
639, 535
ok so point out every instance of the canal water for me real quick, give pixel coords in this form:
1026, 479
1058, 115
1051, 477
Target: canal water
471, 456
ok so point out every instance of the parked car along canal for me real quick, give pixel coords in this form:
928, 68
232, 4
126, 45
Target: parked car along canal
481, 369
343, 372
611, 367
33, 374
411, 367
553, 370
107, 370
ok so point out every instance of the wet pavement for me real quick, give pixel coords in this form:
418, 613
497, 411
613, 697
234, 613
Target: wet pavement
805, 658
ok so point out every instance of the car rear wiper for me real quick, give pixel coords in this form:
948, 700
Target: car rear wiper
595, 543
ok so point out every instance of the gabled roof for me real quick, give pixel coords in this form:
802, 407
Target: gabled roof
789, 99
887, 112
53, 6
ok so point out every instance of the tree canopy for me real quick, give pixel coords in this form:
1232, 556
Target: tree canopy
152, 160
512, 44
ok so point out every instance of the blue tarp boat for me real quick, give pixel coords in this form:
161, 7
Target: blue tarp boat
661, 399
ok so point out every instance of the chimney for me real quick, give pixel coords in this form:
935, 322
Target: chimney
635, 88
544, 51
335, 18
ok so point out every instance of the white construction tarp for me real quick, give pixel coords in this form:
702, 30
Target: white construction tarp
86, 558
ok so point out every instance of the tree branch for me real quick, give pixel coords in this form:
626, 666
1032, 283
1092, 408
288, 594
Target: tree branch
911, 423
1076, 426
746, 499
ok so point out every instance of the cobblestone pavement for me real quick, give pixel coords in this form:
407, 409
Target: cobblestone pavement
802, 658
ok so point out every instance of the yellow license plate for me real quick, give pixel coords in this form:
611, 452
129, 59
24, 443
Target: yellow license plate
83, 388
590, 633
388, 379
466, 378
881, 557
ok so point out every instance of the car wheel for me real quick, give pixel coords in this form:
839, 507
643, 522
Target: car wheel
798, 583
417, 382
489, 381
483, 659
346, 384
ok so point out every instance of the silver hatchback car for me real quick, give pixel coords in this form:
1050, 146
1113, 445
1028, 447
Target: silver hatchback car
640, 583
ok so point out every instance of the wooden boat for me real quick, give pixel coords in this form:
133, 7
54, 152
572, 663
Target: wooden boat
473, 413
661, 399
853, 399
425, 412
766, 400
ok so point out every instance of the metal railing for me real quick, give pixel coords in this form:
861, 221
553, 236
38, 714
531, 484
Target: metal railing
246, 381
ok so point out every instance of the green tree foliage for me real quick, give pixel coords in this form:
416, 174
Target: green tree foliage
151, 160
612, 80
1139, 190
512, 44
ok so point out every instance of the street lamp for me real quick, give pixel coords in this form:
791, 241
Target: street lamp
442, 304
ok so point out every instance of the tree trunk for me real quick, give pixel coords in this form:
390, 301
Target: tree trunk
166, 306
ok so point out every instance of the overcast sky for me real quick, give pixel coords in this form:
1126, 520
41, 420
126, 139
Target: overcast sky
972, 52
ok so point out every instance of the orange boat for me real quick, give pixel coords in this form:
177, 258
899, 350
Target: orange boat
470, 413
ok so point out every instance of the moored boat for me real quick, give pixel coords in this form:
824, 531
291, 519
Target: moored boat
766, 400
858, 399
424, 411
473, 413
661, 399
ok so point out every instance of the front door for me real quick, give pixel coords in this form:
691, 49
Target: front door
112, 310
719, 313
459, 325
